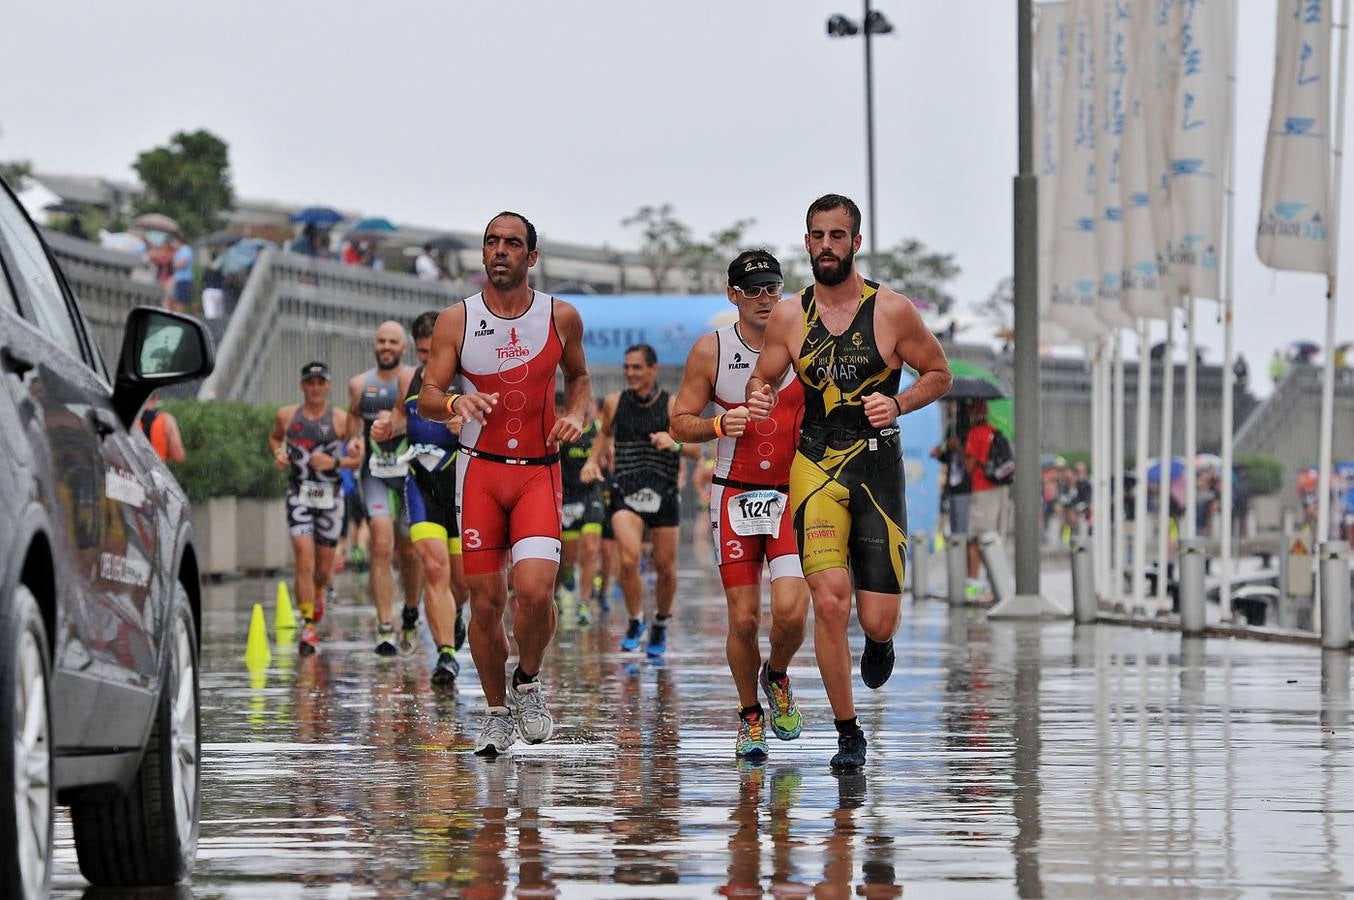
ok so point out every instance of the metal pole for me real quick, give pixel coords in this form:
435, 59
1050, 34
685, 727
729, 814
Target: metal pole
1117, 469
1027, 491
1097, 432
869, 146
1328, 363
1191, 411
1334, 577
1192, 593
1164, 463
1144, 410
1228, 342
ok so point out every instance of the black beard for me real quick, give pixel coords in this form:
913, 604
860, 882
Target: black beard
384, 366
837, 276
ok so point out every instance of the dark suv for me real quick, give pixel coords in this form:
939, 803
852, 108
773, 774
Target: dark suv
99, 590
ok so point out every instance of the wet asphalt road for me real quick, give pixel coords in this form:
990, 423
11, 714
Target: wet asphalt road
1006, 760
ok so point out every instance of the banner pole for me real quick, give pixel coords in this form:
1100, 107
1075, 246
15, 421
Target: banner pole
1189, 528
1164, 464
1117, 474
1144, 411
1228, 340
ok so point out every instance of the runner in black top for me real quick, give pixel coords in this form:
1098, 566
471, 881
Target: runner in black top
581, 532
307, 438
643, 489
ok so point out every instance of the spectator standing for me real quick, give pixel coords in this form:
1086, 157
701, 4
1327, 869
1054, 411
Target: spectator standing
426, 267
181, 288
162, 430
957, 486
308, 244
987, 506
1278, 368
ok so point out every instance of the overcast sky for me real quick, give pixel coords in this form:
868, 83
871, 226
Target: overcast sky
576, 113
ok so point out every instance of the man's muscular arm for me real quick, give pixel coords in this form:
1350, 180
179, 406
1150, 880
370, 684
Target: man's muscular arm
698, 387
915, 345
577, 382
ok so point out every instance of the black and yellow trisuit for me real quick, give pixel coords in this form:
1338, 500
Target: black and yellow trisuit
847, 483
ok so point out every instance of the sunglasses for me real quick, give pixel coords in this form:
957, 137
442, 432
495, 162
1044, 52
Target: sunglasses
771, 290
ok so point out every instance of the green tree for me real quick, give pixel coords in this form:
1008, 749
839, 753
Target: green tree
705, 259
15, 171
666, 241
189, 180
922, 274
794, 268
1000, 304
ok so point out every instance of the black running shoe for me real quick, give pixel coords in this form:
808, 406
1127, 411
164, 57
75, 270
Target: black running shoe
876, 663
447, 668
460, 628
385, 641
408, 629
850, 751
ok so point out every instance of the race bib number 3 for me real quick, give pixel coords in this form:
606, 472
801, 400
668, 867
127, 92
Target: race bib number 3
756, 513
317, 495
645, 500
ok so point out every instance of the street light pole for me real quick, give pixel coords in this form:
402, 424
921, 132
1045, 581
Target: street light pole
869, 143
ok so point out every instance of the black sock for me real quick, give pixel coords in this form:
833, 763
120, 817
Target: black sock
846, 727
745, 711
661, 618
773, 676
520, 678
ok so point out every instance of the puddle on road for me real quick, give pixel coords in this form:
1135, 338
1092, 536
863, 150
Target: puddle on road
1005, 759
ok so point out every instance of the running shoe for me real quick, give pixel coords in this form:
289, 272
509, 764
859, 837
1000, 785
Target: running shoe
309, 640
496, 732
658, 641
850, 751
786, 721
876, 663
630, 643
751, 737
447, 668
359, 559
527, 702
385, 641
973, 591
460, 627
584, 614
408, 629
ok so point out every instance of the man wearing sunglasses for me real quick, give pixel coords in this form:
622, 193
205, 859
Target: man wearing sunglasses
848, 338
749, 514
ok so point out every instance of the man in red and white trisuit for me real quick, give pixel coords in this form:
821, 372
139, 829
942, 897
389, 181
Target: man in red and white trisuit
506, 343
749, 515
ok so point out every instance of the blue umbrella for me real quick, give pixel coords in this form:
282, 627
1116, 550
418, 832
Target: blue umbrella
377, 224
241, 255
1177, 470
322, 216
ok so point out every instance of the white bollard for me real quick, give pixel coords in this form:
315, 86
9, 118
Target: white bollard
1084, 606
993, 549
956, 564
1335, 622
1192, 593
920, 545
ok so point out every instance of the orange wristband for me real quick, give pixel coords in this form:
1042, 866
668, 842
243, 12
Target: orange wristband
451, 403
718, 423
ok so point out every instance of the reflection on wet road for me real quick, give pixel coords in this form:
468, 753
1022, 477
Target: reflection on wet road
1006, 760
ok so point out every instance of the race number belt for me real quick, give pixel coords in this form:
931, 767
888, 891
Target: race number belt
546, 460
387, 466
644, 500
756, 513
316, 494
747, 486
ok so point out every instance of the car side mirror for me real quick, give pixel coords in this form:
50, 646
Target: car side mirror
159, 348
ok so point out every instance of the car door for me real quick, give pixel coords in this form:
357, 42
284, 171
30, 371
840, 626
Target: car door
95, 492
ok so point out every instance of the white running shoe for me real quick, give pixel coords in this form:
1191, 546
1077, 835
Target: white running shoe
496, 732
534, 723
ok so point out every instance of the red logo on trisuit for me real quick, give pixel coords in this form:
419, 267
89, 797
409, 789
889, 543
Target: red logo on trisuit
515, 349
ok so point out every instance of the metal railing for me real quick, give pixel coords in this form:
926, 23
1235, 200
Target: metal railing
297, 308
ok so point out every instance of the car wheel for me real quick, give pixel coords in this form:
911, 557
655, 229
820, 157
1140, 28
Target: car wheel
26, 800
147, 834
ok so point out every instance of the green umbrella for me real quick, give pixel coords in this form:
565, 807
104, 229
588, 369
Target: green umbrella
1001, 413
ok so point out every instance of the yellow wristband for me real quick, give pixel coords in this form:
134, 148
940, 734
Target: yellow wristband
451, 403
719, 425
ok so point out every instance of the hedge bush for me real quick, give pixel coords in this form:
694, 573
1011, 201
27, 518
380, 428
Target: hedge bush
1263, 473
226, 448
